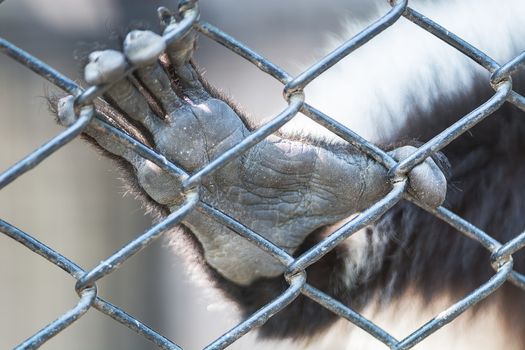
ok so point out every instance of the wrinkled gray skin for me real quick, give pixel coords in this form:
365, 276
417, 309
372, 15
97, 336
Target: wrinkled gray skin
282, 189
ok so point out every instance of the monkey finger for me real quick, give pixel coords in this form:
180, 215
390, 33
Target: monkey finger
66, 116
102, 68
179, 54
154, 79
180, 51
161, 186
143, 49
427, 183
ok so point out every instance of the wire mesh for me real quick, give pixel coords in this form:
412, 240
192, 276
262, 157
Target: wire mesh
501, 252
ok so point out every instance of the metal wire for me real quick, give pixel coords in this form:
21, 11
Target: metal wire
501, 253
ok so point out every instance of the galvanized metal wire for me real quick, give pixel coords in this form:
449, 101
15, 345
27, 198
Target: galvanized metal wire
293, 86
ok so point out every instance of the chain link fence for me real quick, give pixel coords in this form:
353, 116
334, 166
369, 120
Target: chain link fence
86, 286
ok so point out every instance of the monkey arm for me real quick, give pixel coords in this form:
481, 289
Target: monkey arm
280, 188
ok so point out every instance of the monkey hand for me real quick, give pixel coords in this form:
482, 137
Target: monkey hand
283, 189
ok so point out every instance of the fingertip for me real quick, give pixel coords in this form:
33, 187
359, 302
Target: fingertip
104, 66
143, 47
427, 183
66, 111
165, 16
181, 50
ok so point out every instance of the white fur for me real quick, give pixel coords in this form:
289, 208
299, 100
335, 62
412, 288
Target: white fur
482, 331
363, 258
406, 64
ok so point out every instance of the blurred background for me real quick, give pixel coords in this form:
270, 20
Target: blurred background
74, 201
